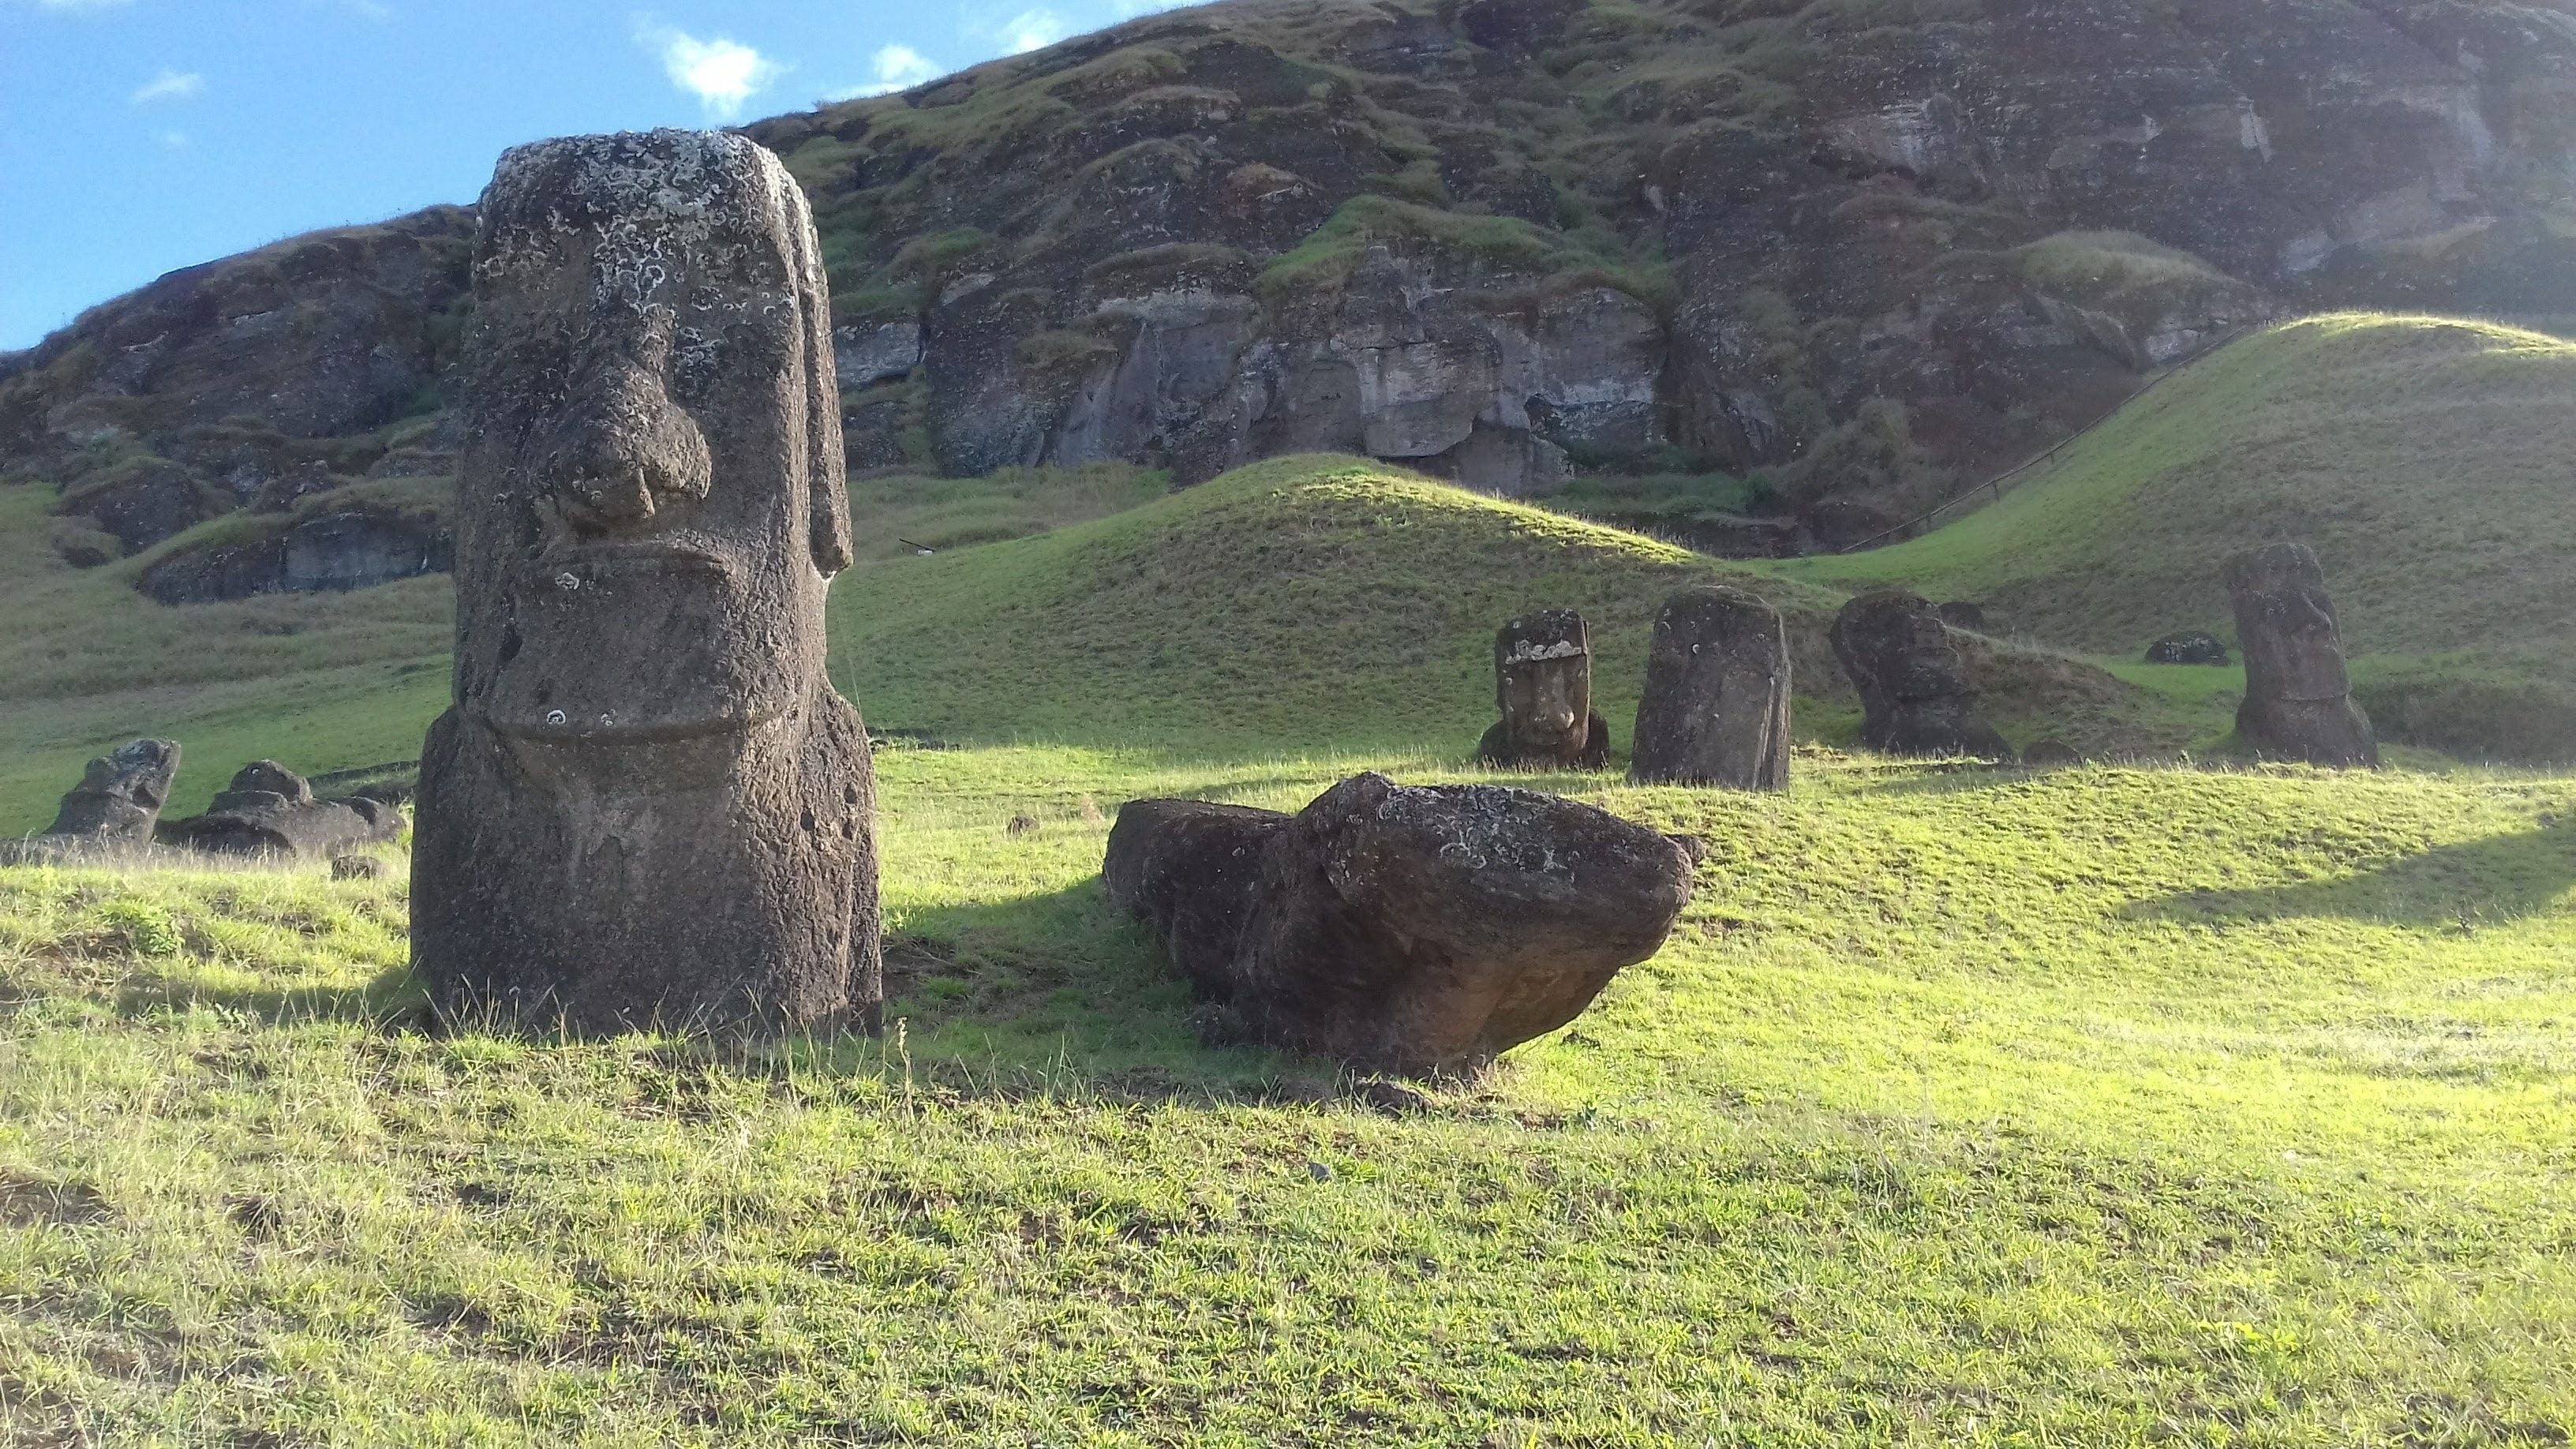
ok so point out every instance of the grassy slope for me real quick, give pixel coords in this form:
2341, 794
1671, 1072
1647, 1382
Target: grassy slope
2102, 1107
2426, 460
1301, 600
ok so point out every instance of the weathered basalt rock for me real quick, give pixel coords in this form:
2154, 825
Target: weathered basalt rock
1915, 692
1543, 685
269, 810
647, 805
2298, 697
1401, 929
2192, 647
1716, 706
332, 553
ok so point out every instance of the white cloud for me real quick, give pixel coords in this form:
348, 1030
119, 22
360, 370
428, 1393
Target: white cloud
169, 85
175, 140
1032, 30
898, 67
721, 73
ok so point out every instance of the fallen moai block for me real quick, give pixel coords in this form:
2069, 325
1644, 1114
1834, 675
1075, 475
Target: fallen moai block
1405, 929
647, 807
114, 809
269, 810
1716, 706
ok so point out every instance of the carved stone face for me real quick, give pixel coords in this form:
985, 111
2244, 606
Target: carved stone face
652, 492
1543, 682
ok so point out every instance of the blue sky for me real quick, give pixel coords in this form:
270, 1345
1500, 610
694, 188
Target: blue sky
139, 136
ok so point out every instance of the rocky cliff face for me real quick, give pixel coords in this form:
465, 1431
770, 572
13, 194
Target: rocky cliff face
1868, 248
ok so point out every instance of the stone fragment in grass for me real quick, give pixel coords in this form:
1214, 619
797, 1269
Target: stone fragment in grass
1716, 706
1414, 930
357, 867
2298, 697
269, 810
1543, 686
1915, 694
647, 807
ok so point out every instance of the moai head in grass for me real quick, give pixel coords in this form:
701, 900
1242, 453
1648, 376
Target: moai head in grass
1543, 688
1916, 695
647, 805
1716, 705
119, 798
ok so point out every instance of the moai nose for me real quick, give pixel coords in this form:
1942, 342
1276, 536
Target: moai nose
626, 451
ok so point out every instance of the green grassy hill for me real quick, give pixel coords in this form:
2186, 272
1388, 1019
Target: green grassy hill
1305, 600
2425, 459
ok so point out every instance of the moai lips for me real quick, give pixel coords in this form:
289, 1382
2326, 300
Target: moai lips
647, 806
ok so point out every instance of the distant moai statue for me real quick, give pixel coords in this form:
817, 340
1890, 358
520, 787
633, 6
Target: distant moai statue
647, 806
1543, 686
2298, 698
1716, 706
119, 798
1915, 694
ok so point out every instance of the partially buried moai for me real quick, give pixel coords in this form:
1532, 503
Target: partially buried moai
1716, 706
119, 798
2298, 698
1543, 686
1916, 697
647, 806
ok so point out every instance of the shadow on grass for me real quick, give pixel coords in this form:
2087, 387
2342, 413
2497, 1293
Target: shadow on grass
390, 1000
2499, 879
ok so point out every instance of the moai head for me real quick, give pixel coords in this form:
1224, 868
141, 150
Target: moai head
1543, 682
1895, 641
652, 490
121, 793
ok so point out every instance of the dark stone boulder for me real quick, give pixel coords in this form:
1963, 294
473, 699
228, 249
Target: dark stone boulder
1543, 686
2051, 754
646, 807
1716, 706
1916, 696
331, 553
269, 810
2190, 647
1404, 929
2298, 697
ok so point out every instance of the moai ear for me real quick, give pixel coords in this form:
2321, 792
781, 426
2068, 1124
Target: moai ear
826, 466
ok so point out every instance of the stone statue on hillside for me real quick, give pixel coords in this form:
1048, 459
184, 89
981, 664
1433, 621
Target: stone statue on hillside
114, 808
1413, 930
647, 806
2298, 699
1716, 706
1543, 685
269, 810
1915, 694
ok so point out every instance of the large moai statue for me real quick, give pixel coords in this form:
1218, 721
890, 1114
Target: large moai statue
2298, 699
647, 806
1543, 686
1915, 694
119, 798
1716, 706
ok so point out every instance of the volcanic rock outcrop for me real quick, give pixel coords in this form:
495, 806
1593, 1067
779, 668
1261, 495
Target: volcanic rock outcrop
1915, 693
1874, 250
2298, 697
647, 806
1716, 706
269, 810
1406, 929
1543, 686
